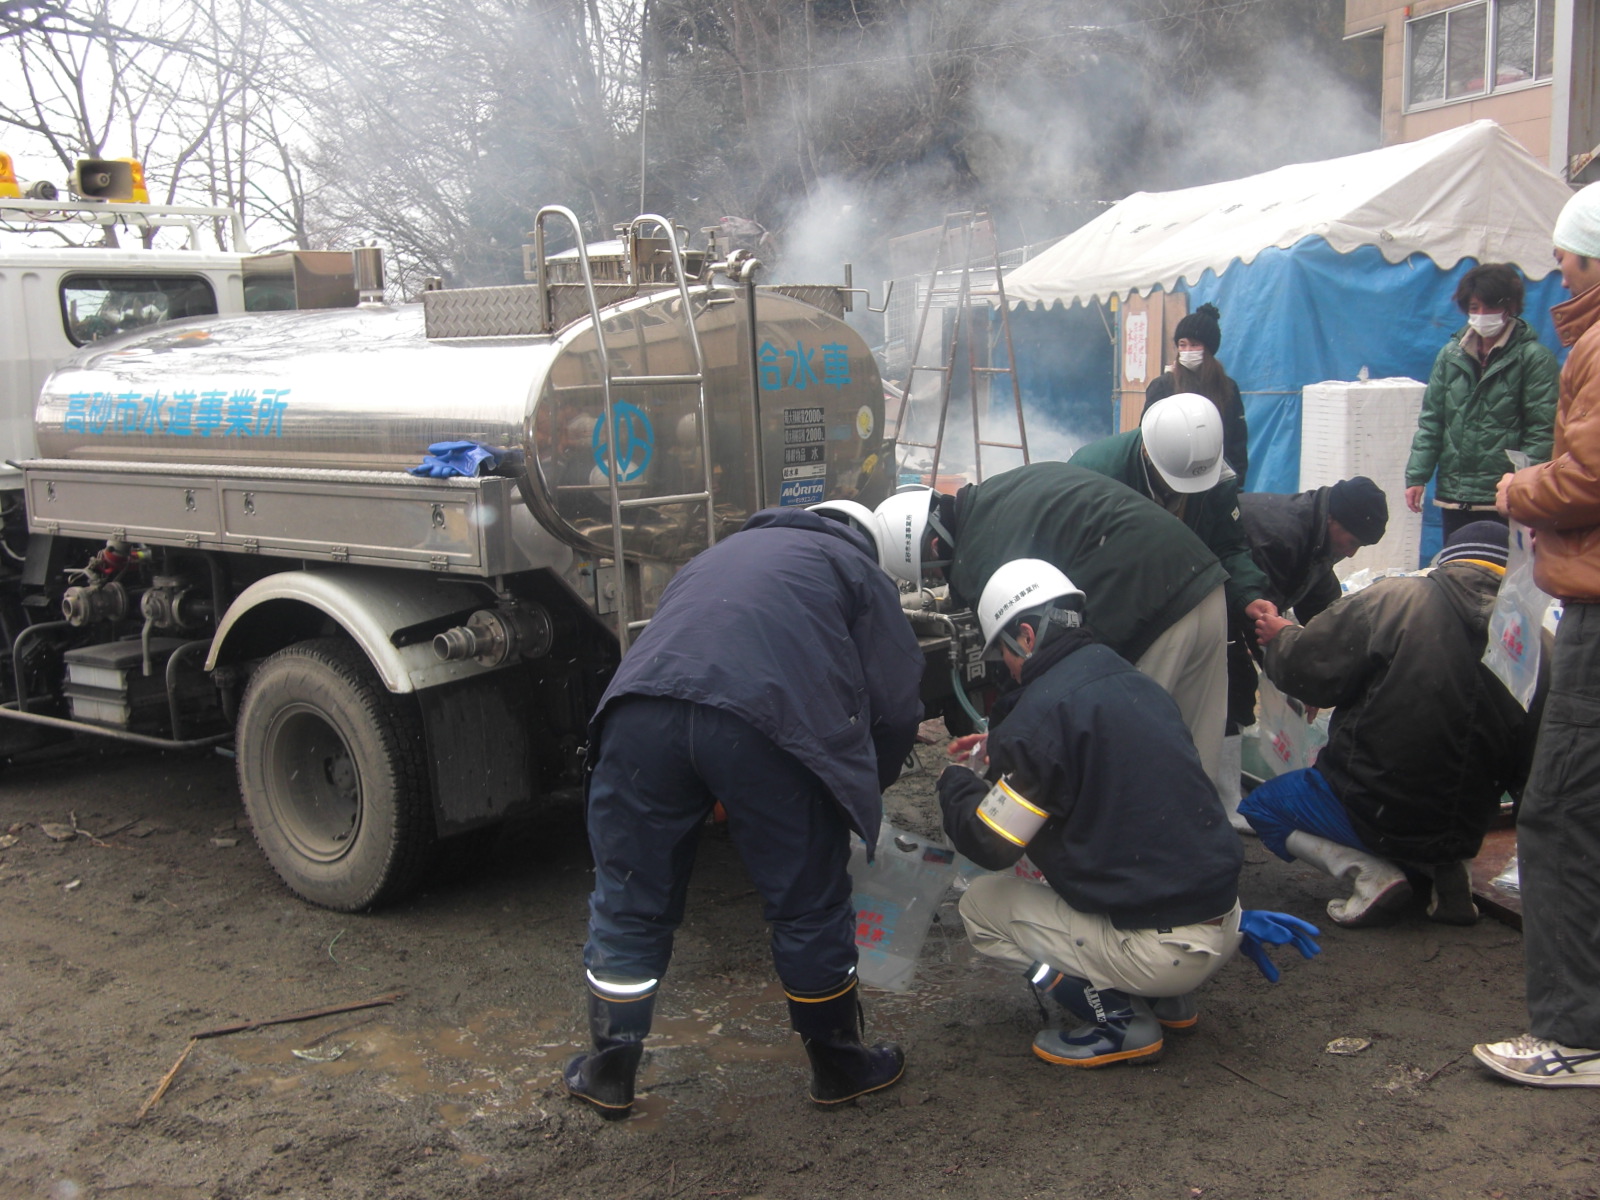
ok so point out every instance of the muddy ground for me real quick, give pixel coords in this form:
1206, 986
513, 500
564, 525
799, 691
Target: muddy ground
115, 949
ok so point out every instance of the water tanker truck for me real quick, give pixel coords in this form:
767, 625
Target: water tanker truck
211, 534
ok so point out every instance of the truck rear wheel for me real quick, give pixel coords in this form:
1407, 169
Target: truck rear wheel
334, 776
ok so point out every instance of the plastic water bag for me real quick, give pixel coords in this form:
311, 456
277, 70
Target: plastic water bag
1516, 624
1509, 880
895, 898
1288, 742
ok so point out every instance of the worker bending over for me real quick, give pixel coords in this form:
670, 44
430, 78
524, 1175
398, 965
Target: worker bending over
1295, 540
780, 677
1158, 590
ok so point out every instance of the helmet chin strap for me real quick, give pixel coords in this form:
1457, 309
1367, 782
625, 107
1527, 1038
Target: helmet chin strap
1050, 620
936, 527
1154, 480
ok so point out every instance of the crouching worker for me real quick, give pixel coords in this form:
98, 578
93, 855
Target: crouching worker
1423, 743
780, 677
1092, 773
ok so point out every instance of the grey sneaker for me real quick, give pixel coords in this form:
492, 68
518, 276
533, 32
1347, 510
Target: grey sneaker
1539, 1062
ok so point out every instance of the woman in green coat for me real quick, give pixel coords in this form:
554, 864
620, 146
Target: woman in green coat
1493, 389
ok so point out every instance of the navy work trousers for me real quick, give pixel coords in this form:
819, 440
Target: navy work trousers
1558, 843
662, 764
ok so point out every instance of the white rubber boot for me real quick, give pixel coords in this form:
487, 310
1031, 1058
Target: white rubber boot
1229, 788
1379, 890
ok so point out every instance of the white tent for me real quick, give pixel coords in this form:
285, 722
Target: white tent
1468, 193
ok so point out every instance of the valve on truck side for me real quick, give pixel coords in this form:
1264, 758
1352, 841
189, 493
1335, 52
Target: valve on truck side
172, 603
98, 601
493, 636
102, 597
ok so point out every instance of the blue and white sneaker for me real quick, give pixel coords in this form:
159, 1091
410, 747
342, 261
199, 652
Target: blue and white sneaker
1128, 1032
1539, 1062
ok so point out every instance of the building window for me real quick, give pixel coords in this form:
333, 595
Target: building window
1475, 49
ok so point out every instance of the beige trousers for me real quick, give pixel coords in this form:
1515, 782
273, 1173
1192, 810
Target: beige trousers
1190, 660
1022, 922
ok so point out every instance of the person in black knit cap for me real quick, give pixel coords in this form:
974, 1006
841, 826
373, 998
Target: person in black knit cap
1196, 369
1295, 540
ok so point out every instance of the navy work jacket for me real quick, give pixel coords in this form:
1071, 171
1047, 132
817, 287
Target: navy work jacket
791, 625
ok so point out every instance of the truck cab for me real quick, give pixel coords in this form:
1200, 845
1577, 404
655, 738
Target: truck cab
59, 300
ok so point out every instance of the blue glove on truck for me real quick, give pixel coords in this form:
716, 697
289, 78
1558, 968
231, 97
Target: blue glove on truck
446, 459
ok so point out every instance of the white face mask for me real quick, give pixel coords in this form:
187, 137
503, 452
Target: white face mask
1191, 358
1485, 325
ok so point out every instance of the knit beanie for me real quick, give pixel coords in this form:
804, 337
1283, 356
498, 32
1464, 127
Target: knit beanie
1578, 226
1201, 326
1485, 541
1361, 507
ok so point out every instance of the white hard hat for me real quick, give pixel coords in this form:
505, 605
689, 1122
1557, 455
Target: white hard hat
1183, 437
902, 525
857, 516
1020, 586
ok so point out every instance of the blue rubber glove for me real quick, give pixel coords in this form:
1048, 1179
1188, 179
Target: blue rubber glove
1260, 926
445, 459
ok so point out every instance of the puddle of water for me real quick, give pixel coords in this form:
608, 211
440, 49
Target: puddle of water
498, 1060
479, 1067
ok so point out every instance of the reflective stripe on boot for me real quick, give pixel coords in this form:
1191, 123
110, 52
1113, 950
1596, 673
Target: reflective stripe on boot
1379, 889
842, 1068
619, 1021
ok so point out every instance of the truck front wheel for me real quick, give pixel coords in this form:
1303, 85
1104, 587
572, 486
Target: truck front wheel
334, 776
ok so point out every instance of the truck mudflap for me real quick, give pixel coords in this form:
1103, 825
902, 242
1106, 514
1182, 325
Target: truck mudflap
389, 615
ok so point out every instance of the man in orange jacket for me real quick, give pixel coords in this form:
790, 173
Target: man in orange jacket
1558, 828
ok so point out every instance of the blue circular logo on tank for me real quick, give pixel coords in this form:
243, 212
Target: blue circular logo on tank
635, 438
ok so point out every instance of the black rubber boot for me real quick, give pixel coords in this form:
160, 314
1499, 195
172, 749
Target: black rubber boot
1452, 895
1177, 1012
1116, 1026
604, 1079
842, 1068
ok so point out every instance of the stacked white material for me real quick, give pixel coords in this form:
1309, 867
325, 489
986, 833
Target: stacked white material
1365, 428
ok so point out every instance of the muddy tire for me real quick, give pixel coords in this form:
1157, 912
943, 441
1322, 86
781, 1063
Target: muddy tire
334, 776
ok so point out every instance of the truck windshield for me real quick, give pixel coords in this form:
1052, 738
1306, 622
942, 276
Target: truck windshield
100, 306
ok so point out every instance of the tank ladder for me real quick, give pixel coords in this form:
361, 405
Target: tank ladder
626, 626
966, 229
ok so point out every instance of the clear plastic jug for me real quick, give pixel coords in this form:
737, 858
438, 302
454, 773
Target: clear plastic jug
895, 898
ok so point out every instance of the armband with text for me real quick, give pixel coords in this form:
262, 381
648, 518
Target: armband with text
1010, 815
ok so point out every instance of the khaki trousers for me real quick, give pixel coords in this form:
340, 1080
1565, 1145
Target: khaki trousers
1190, 661
1022, 922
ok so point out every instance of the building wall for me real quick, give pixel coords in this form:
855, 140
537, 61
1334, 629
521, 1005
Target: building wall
1525, 114
1524, 111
